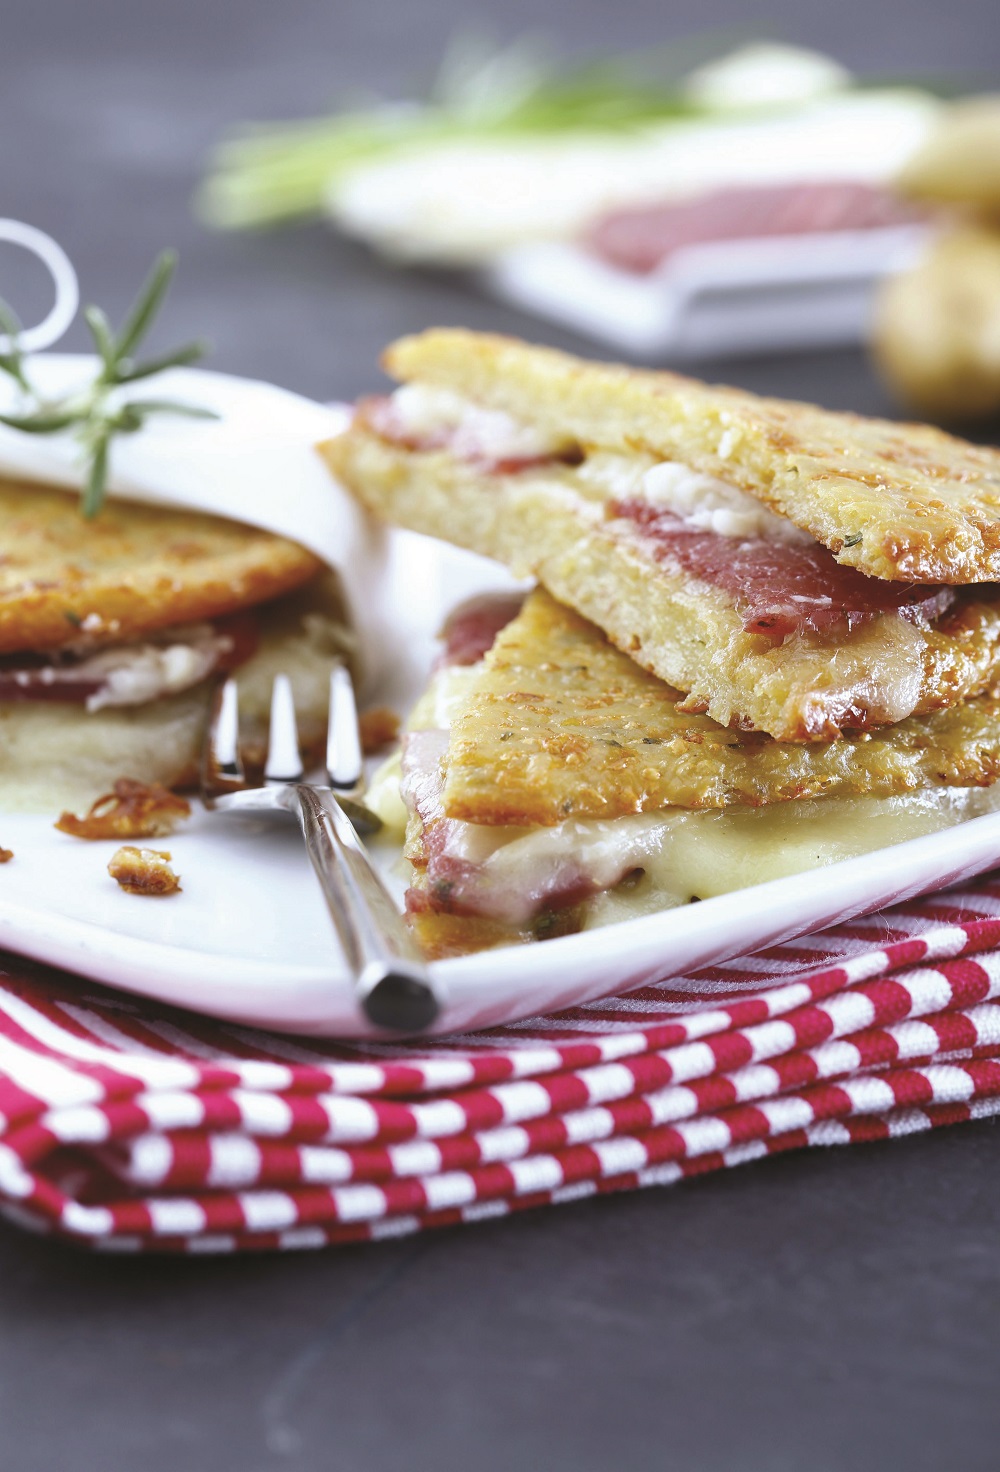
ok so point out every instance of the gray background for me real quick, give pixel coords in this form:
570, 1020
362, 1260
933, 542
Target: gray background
837, 1311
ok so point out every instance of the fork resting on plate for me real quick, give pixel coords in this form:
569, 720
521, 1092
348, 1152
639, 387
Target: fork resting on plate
392, 984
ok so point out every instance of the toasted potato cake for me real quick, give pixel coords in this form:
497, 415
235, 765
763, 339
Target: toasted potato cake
133, 569
896, 501
541, 524
560, 725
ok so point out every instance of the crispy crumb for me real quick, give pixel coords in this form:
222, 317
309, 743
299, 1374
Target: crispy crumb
378, 727
143, 870
131, 810
6, 854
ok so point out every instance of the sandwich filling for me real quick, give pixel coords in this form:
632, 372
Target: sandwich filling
169, 661
785, 588
72, 724
611, 869
781, 580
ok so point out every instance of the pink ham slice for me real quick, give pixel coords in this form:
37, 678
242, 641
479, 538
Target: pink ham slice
639, 240
470, 629
46, 682
779, 588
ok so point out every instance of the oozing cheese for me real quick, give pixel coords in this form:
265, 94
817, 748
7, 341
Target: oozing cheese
678, 856
384, 798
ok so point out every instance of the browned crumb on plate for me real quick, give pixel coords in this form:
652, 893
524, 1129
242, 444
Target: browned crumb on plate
143, 870
6, 854
132, 810
378, 727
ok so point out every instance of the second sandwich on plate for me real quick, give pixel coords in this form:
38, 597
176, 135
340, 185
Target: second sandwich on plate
114, 632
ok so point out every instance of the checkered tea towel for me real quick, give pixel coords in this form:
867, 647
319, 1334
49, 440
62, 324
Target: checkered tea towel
133, 1126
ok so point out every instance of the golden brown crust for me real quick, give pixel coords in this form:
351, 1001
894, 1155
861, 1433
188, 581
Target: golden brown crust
441, 933
561, 725
926, 505
443, 936
132, 570
378, 727
685, 632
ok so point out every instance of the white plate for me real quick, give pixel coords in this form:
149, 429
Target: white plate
248, 937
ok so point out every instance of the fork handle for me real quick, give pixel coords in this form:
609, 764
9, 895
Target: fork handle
392, 984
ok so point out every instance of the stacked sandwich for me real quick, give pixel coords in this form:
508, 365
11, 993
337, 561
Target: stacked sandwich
767, 636
113, 633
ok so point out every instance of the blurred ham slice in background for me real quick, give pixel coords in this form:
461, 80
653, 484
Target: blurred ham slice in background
641, 239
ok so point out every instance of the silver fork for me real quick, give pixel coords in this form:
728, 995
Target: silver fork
391, 982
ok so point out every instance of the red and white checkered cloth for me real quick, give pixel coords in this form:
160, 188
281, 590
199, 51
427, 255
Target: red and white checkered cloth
131, 1126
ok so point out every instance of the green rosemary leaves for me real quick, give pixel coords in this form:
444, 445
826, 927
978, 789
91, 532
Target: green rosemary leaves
99, 412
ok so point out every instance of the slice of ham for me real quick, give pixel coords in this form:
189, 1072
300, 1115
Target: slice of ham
779, 588
174, 660
457, 884
470, 629
640, 240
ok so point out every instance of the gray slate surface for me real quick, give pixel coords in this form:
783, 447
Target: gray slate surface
836, 1312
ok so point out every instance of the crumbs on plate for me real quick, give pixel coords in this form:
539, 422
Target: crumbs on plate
132, 810
143, 870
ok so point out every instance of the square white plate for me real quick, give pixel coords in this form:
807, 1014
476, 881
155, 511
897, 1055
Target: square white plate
248, 937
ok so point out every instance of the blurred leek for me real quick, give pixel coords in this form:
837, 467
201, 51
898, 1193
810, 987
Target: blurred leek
268, 173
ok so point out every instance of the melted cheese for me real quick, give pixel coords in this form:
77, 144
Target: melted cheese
136, 673
385, 799
673, 857
472, 432
888, 682
702, 502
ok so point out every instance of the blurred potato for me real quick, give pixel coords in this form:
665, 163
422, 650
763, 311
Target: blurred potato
959, 164
937, 327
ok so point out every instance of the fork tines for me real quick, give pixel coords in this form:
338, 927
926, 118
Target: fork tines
343, 739
221, 766
284, 759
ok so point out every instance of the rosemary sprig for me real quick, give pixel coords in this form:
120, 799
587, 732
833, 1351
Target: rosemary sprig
97, 413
